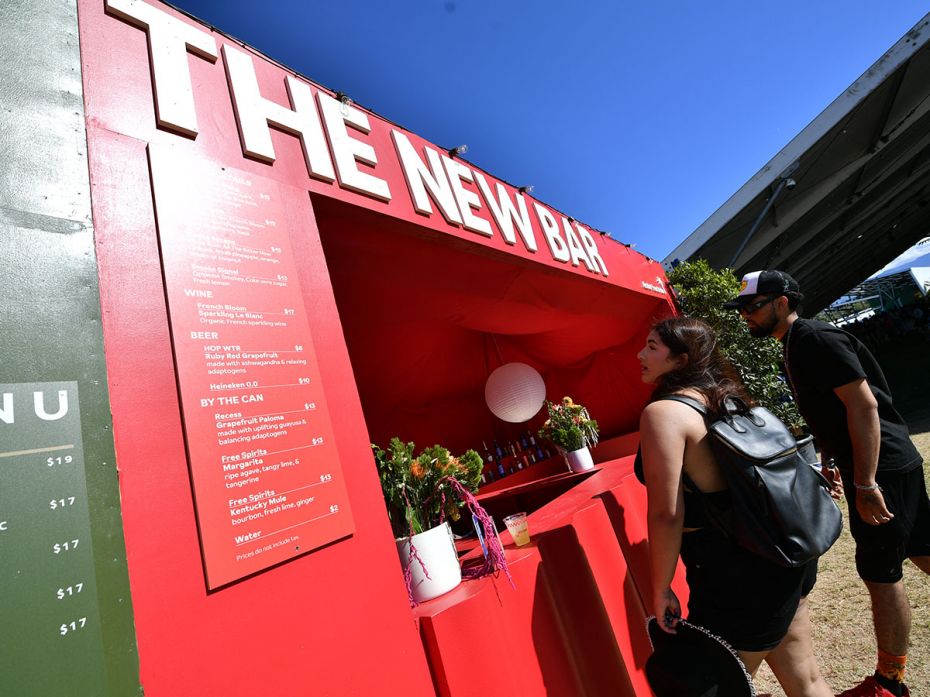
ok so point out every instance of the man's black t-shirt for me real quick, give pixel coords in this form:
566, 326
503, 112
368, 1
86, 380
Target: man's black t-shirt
819, 358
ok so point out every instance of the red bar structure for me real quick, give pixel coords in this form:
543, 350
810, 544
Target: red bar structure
330, 279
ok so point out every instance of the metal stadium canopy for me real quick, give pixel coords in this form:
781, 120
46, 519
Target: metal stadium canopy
846, 195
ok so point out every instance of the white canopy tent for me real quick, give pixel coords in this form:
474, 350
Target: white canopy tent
915, 262
883, 289
912, 268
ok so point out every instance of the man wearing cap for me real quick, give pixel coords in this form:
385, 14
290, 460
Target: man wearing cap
842, 393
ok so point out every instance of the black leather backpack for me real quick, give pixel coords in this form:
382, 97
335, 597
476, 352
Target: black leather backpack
781, 506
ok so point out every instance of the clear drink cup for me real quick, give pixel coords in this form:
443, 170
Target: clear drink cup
518, 528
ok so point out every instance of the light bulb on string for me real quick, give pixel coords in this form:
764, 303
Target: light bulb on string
345, 101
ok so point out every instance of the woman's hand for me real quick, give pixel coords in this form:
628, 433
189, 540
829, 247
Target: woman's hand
668, 610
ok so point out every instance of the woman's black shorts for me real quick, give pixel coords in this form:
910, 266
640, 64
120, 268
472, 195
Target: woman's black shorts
745, 599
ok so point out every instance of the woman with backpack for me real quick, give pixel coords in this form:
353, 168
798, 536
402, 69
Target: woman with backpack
757, 606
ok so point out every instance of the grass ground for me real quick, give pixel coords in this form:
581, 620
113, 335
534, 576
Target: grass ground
842, 622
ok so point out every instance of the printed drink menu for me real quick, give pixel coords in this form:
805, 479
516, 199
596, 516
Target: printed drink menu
267, 481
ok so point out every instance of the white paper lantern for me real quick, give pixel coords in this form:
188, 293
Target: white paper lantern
515, 392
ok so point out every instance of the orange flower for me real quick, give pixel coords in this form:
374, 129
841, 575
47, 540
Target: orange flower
416, 469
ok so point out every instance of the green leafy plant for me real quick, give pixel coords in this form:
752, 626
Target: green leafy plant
701, 293
418, 489
569, 426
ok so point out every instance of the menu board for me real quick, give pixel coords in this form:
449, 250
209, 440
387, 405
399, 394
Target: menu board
50, 635
267, 481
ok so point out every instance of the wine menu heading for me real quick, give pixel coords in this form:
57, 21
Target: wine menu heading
267, 481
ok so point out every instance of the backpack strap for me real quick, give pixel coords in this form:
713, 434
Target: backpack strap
638, 462
733, 406
690, 401
703, 411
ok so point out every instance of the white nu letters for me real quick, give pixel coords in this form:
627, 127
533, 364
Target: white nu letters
38, 399
6, 412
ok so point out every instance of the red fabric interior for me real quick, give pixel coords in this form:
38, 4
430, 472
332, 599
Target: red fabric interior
427, 317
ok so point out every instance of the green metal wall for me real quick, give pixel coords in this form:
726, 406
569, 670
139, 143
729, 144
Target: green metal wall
50, 341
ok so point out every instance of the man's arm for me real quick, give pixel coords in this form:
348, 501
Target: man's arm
865, 436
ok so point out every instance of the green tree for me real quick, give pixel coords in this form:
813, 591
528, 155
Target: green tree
701, 293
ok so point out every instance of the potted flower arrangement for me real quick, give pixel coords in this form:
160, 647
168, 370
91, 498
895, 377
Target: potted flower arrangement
421, 493
573, 431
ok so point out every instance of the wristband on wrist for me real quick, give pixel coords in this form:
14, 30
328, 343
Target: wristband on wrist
867, 487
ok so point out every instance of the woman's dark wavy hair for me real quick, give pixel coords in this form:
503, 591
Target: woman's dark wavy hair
705, 371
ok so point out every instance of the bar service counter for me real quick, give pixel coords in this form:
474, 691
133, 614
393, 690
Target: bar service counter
574, 620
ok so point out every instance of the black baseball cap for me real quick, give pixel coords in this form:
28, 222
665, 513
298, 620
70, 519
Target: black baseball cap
770, 282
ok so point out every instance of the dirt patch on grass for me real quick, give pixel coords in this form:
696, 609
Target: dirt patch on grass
841, 613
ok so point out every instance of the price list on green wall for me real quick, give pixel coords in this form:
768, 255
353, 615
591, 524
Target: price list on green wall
50, 637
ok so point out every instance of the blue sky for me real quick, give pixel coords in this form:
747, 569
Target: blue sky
636, 118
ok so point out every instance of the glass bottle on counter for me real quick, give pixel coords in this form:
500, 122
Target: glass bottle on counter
488, 472
540, 455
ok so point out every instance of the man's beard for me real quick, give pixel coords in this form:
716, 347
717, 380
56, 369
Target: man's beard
765, 327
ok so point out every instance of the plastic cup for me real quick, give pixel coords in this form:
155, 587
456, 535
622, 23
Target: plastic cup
517, 526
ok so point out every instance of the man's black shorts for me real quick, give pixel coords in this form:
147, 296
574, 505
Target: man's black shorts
882, 549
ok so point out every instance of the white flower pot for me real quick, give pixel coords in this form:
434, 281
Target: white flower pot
436, 549
579, 460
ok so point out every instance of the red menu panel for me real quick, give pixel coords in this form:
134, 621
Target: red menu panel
267, 481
